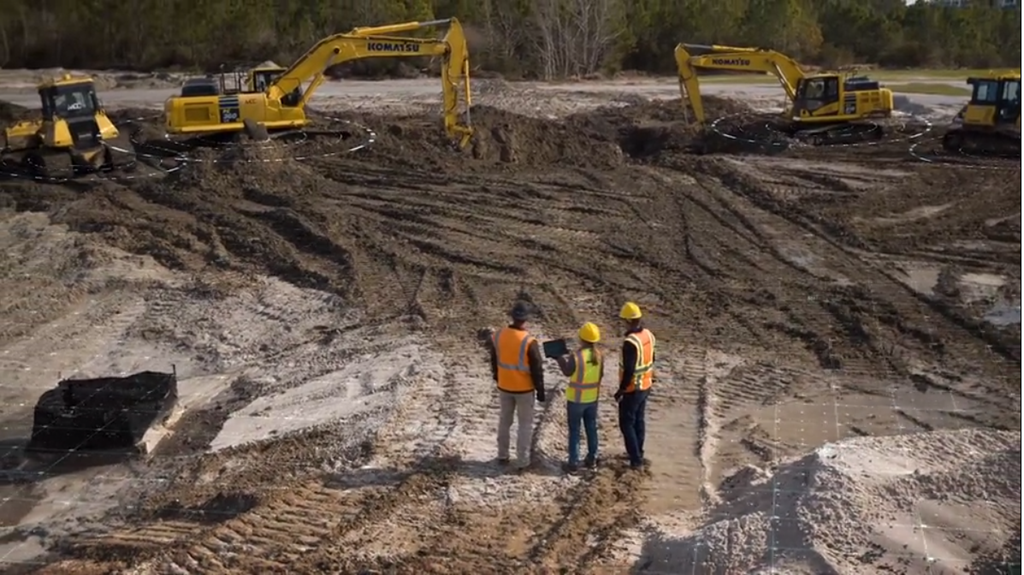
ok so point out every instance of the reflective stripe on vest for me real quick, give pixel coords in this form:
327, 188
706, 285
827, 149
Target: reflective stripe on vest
643, 371
511, 347
585, 383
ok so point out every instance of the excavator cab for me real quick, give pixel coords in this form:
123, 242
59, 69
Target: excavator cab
841, 97
261, 78
814, 93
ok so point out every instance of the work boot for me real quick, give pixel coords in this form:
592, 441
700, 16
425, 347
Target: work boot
571, 468
503, 461
590, 462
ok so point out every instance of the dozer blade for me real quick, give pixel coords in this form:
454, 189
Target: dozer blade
119, 154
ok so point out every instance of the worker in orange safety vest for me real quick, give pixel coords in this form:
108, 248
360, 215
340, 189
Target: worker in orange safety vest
585, 370
518, 368
636, 375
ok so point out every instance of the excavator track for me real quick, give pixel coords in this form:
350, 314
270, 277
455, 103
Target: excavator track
839, 134
349, 137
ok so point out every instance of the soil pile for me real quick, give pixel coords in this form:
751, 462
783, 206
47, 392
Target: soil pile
858, 506
605, 138
10, 113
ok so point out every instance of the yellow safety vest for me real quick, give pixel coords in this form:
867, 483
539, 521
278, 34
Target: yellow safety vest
585, 383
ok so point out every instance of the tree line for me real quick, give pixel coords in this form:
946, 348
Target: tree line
544, 39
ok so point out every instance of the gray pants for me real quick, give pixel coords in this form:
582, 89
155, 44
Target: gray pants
520, 404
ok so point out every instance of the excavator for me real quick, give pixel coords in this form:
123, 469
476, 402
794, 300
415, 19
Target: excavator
73, 136
205, 108
990, 121
825, 108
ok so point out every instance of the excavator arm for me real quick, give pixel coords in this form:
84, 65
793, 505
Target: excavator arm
693, 57
381, 42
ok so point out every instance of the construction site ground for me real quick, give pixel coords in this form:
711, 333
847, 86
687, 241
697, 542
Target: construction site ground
838, 379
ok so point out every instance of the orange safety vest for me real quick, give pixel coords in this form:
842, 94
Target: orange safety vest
585, 383
644, 369
511, 346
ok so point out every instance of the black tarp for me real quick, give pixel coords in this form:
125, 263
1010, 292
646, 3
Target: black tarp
105, 413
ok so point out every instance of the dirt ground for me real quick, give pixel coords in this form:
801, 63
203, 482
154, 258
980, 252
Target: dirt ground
838, 383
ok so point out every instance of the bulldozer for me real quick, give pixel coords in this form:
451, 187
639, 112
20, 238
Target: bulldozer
275, 100
989, 124
73, 136
827, 108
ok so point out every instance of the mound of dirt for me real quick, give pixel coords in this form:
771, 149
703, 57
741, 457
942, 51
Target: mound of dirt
603, 138
865, 504
10, 113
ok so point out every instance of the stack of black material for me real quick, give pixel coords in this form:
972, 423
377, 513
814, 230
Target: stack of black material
107, 413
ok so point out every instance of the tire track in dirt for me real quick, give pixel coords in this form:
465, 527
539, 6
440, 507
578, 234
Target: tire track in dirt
292, 519
704, 252
893, 303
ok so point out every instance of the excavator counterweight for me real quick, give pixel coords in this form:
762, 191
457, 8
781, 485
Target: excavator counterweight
275, 99
821, 107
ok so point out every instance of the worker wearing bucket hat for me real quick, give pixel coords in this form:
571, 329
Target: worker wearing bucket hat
585, 369
518, 368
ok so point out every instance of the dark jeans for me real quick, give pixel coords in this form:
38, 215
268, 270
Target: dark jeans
632, 409
585, 413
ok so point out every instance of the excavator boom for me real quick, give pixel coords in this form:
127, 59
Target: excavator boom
692, 57
283, 103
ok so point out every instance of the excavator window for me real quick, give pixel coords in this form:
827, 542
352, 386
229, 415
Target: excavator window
813, 93
69, 101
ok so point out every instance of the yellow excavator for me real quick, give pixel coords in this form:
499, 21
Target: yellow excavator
204, 108
824, 108
74, 134
990, 121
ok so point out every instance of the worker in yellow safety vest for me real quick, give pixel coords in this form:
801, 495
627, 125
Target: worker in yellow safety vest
517, 365
585, 370
636, 375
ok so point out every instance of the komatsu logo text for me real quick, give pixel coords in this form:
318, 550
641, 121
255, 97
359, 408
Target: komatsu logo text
392, 47
730, 62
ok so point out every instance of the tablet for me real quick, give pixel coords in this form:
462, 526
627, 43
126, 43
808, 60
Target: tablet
555, 348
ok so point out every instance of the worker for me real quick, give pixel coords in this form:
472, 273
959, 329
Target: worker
636, 374
518, 368
585, 369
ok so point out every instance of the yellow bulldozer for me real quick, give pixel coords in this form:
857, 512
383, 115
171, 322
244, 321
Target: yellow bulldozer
824, 108
275, 99
990, 121
73, 135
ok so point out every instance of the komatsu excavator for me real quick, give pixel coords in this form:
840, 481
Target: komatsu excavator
990, 121
205, 108
825, 108
73, 136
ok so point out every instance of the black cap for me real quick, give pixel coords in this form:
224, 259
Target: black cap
520, 311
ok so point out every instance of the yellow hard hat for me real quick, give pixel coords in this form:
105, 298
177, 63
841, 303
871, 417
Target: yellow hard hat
630, 311
590, 333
